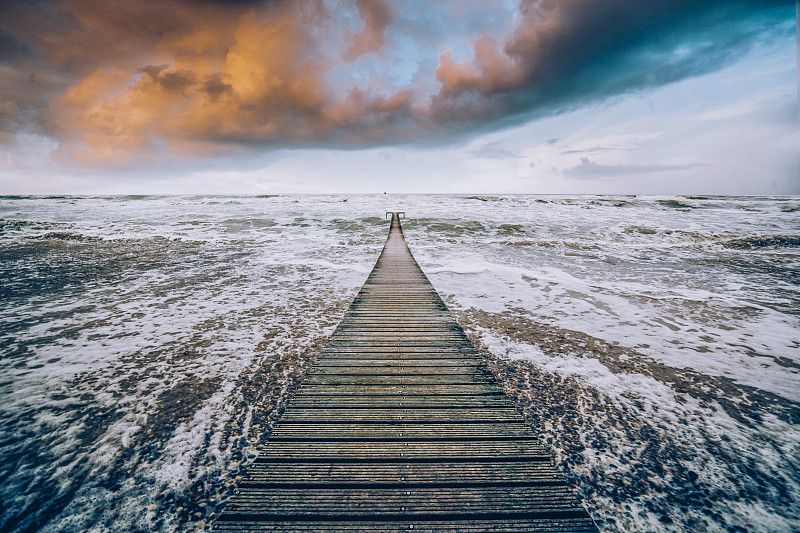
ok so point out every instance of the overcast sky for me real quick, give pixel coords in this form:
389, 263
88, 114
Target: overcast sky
534, 96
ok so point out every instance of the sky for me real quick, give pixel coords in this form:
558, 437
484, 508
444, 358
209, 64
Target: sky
403, 96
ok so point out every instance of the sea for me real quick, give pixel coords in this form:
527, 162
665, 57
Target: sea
149, 343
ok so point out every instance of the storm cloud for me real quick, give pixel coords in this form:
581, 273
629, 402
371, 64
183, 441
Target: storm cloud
117, 82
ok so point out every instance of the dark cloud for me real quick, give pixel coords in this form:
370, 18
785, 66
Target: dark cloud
176, 81
566, 53
12, 48
214, 86
589, 170
114, 79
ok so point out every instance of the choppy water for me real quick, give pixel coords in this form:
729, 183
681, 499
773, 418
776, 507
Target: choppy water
147, 344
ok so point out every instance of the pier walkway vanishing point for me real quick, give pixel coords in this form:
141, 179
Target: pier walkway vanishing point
400, 427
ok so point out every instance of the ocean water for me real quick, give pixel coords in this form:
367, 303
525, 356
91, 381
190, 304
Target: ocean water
147, 344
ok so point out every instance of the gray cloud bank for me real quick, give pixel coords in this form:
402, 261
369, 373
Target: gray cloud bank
119, 82
588, 169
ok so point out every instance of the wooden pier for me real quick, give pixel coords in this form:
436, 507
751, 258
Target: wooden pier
400, 427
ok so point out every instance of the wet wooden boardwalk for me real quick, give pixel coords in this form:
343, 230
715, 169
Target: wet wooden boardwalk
400, 427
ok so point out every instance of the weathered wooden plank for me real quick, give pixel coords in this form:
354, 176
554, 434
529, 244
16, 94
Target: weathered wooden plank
493, 525
441, 473
417, 371
369, 320
517, 449
456, 348
386, 345
386, 380
410, 414
410, 338
397, 370
408, 389
349, 401
334, 366
411, 501
373, 321
287, 430
400, 354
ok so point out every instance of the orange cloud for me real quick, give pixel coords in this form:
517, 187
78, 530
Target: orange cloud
255, 77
